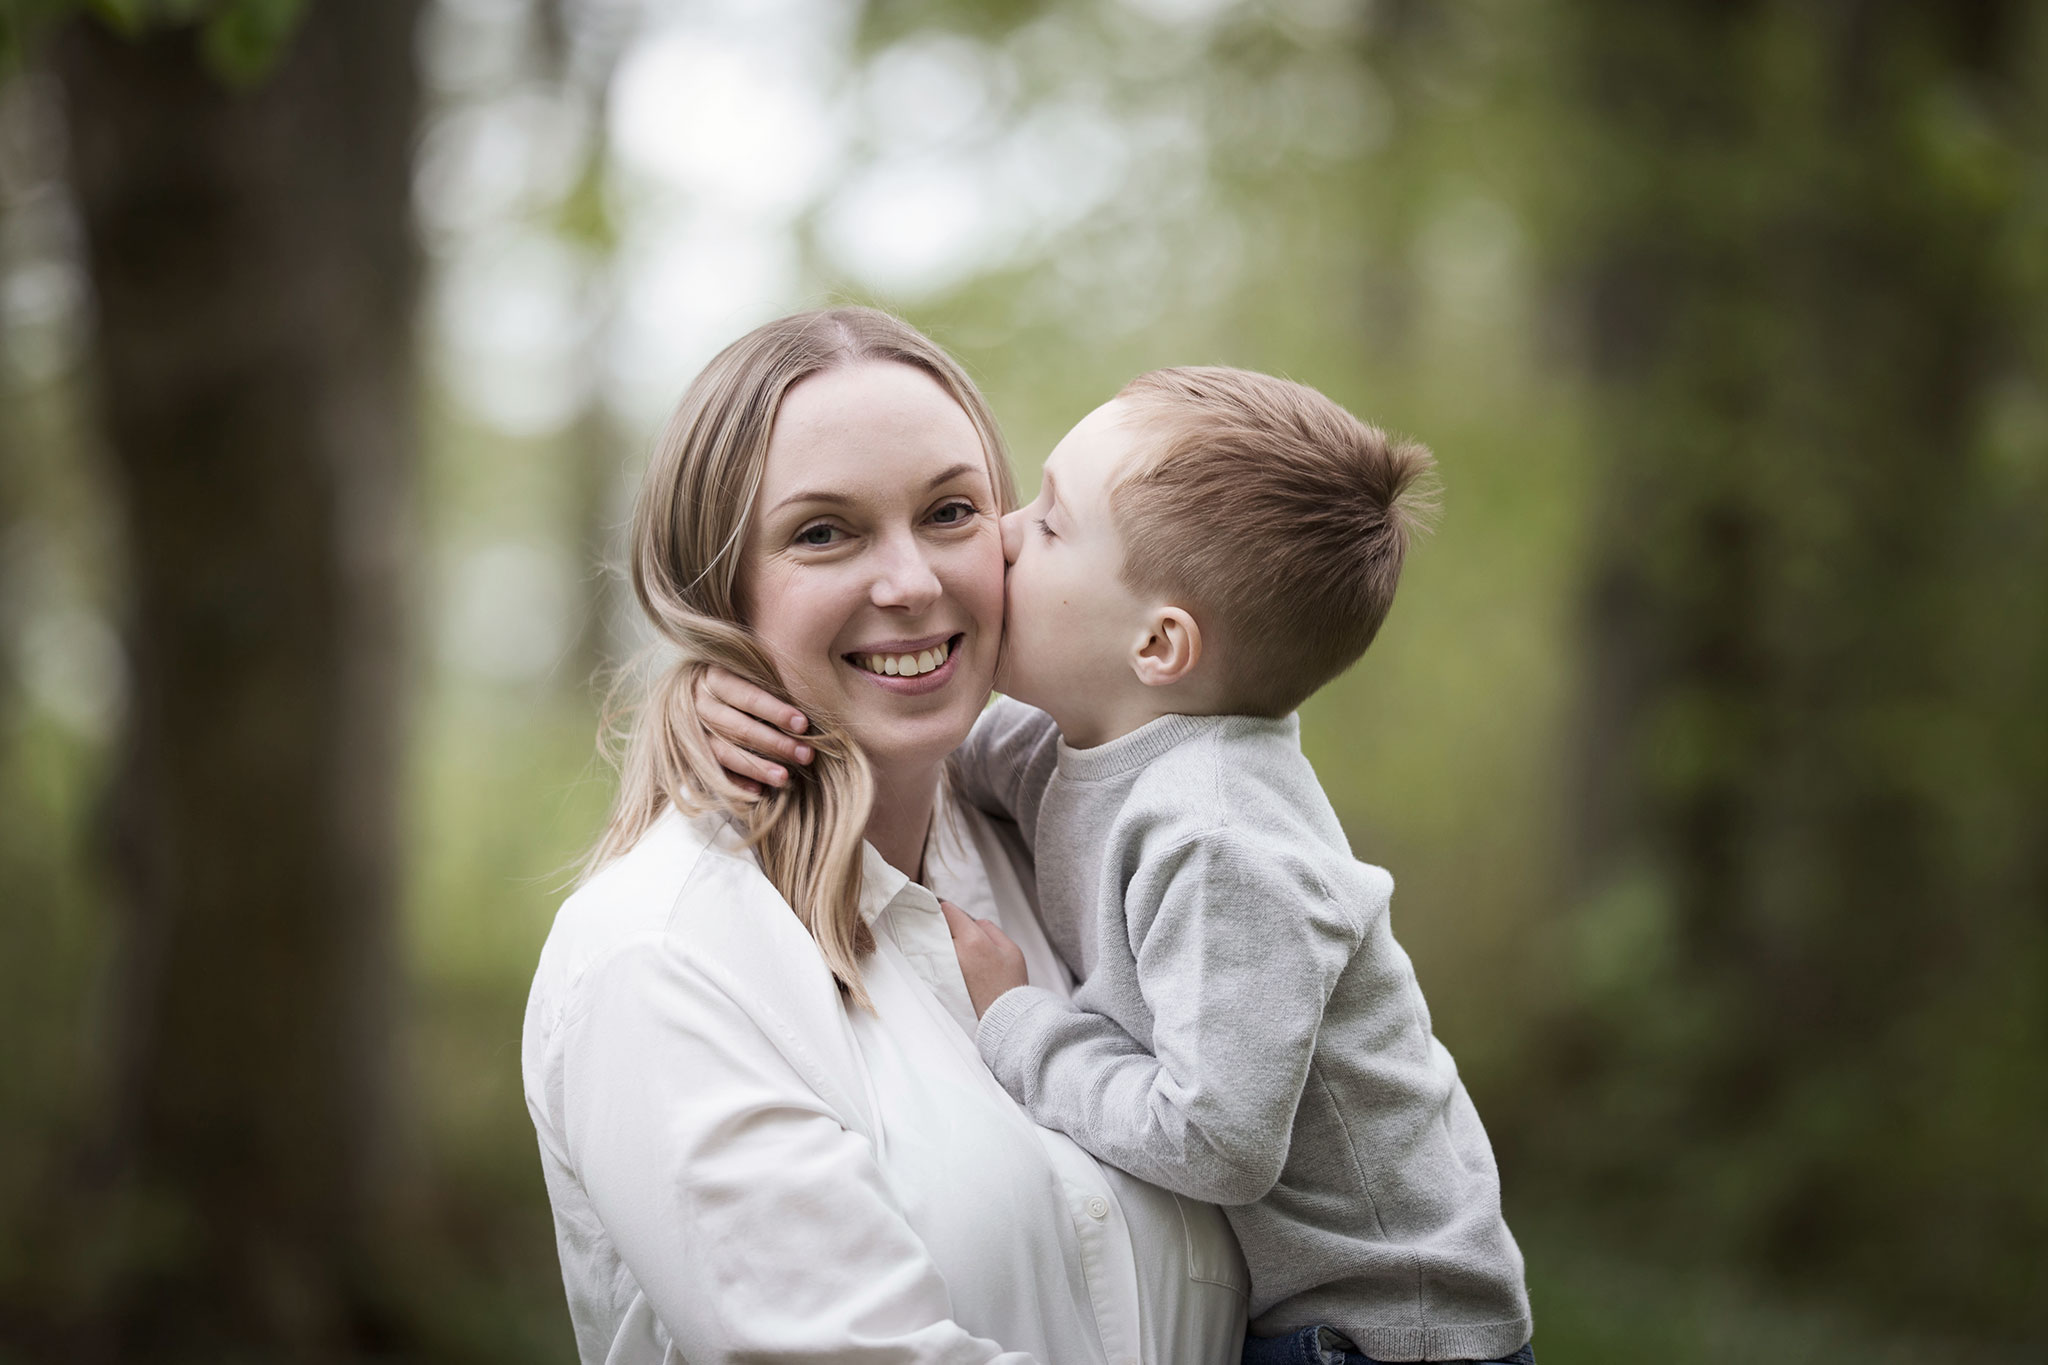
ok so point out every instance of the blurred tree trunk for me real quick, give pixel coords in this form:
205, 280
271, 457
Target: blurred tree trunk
594, 442
1798, 319
1802, 311
595, 445
254, 273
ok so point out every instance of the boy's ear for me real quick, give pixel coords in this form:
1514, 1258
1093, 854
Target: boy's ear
1170, 649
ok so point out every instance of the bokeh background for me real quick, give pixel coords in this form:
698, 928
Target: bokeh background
1708, 741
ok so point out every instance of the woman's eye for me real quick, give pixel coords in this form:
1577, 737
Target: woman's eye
821, 534
1043, 529
953, 513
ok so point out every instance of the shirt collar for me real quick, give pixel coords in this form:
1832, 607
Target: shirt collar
882, 885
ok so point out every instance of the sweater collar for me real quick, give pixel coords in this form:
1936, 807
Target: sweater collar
1154, 738
1131, 751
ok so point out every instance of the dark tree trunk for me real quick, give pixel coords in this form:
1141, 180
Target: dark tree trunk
254, 273
1800, 305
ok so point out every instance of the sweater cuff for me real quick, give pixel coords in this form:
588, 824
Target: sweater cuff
1012, 1030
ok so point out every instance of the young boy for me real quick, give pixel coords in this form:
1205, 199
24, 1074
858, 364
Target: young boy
1208, 549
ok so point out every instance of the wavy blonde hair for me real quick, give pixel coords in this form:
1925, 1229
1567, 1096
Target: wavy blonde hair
690, 526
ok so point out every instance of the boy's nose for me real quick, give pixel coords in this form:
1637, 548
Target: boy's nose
1013, 535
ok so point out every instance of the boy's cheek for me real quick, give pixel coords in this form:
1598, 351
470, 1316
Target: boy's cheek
1016, 592
1019, 643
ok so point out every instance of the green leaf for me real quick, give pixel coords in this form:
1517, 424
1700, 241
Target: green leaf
243, 38
21, 25
126, 17
240, 40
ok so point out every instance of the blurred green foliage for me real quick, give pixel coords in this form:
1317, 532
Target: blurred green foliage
1818, 599
1653, 282
238, 38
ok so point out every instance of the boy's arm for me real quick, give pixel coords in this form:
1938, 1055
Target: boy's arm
1236, 967
1006, 760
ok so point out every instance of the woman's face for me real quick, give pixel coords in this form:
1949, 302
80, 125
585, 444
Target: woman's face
873, 569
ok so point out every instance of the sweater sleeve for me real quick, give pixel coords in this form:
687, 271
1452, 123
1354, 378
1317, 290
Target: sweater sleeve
1240, 950
1004, 764
755, 1221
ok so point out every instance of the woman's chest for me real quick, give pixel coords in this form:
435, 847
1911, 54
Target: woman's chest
1013, 1223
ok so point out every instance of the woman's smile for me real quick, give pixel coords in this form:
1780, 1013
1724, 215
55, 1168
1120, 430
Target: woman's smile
909, 668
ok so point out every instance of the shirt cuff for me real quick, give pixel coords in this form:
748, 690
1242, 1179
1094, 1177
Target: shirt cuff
1013, 1029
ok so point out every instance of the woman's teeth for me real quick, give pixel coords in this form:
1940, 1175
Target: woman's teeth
906, 665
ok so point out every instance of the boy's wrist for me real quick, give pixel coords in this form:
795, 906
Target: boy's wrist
1001, 1018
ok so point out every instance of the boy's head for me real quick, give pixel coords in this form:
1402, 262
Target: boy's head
1210, 541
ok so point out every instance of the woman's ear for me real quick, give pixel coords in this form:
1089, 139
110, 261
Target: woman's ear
1170, 650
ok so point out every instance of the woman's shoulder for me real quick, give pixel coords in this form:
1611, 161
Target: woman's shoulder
690, 888
682, 941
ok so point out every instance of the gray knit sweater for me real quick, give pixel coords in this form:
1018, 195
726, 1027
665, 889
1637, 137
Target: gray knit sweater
1247, 1031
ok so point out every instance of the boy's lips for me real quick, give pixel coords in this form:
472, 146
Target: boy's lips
911, 685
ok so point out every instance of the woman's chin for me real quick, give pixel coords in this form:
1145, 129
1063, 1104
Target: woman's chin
917, 730
907, 745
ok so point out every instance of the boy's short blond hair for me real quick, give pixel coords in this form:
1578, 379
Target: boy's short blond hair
1275, 516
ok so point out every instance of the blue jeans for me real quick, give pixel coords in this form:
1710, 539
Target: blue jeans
1308, 1347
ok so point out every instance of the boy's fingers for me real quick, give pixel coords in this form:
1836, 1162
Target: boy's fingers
1006, 949
742, 764
737, 727
958, 922
742, 695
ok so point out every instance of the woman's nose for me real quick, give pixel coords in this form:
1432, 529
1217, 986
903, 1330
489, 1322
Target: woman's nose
906, 578
1013, 535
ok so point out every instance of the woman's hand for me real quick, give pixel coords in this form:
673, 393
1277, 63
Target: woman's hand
749, 730
991, 963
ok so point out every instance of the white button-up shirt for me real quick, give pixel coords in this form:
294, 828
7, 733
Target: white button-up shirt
743, 1167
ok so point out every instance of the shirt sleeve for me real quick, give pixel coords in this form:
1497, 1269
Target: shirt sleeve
1236, 965
1003, 765
755, 1221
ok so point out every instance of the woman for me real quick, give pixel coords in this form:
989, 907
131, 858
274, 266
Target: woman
748, 1051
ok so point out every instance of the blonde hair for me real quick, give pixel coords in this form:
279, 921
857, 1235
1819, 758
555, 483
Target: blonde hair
690, 527
1279, 518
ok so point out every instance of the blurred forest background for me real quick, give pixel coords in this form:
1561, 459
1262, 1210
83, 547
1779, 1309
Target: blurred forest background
1709, 741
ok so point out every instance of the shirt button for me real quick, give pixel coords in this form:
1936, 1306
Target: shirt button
1098, 1208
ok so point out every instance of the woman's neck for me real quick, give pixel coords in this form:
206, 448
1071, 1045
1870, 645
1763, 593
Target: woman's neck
902, 816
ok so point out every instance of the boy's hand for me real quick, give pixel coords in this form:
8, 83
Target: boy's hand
990, 962
749, 730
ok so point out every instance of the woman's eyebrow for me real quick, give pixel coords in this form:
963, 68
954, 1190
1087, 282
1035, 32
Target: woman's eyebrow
948, 475
819, 495
810, 496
